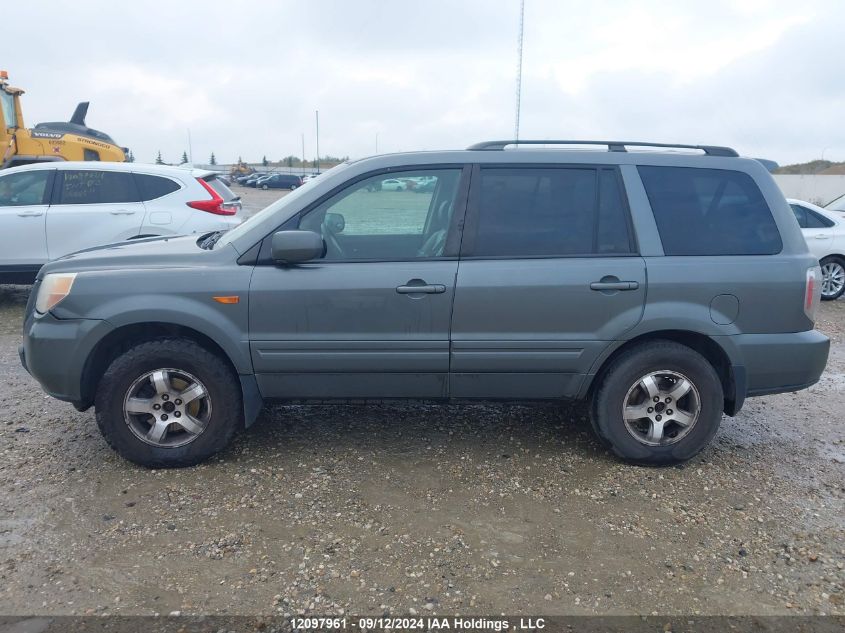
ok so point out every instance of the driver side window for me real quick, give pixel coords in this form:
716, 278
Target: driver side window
396, 216
24, 188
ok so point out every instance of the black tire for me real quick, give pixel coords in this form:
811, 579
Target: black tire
265, 187
626, 371
220, 381
833, 259
292, 187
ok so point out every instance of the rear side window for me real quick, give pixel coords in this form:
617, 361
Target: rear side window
550, 212
220, 187
808, 219
710, 212
96, 187
152, 187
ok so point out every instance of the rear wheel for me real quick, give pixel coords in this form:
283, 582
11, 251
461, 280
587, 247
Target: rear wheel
833, 278
168, 403
658, 403
292, 187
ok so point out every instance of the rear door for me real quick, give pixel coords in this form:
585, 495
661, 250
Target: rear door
24, 199
818, 231
92, 207
548, 277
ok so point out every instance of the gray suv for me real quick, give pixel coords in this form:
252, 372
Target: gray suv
663, 287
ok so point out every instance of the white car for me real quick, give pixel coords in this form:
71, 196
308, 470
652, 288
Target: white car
48, 210
824, 231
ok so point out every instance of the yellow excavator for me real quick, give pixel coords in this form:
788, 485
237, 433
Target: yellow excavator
71, 140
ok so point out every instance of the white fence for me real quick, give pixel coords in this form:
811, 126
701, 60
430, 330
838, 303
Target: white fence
816, 189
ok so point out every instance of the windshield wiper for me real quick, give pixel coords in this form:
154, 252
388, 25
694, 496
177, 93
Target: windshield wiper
211, 239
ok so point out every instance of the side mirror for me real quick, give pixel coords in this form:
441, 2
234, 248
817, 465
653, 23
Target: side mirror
294, 247
335, 222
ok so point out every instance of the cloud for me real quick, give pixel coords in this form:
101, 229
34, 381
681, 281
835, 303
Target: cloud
762, 76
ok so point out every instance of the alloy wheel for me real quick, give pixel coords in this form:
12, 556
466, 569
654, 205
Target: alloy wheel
167, 408
661, 408
833, 278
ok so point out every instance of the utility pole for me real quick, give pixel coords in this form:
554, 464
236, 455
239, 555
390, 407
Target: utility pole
190, 150
519, 68
303, 150
376, 142
317, 113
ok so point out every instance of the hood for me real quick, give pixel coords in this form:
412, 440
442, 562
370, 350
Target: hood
149, 253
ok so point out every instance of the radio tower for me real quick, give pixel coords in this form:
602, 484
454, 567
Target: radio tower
519, 68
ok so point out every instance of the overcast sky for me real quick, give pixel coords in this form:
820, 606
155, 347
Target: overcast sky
766, 77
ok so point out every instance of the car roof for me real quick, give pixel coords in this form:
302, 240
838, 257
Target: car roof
147, 168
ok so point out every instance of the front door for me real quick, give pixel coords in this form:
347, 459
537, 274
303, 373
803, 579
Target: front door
92, 208
371, 318
549, 276
24, 199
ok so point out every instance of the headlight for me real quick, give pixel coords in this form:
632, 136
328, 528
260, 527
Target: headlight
53, 289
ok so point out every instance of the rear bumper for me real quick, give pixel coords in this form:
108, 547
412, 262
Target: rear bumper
777, 363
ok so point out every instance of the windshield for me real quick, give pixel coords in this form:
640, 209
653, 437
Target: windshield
275, 208
7, 104
837, 205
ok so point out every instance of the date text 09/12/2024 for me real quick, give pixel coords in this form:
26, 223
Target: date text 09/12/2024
453, 623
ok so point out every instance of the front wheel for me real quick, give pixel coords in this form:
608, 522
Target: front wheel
833, 278
292, 187
168, 403
658, 403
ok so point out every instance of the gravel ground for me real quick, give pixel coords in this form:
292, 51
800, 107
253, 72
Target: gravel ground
428, 509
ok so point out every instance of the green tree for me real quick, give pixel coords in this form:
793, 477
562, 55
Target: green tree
212, 160
159, 159
184, 158
264, 161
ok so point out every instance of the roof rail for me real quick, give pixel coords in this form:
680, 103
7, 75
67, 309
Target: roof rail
612, 146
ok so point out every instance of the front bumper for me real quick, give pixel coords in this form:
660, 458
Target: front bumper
55, 351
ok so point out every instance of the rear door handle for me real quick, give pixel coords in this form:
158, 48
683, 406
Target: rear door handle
429, 289
822, 237
614, 285
122, 212
31, 214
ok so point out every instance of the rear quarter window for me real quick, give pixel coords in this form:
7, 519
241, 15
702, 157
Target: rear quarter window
152, 187
710, 212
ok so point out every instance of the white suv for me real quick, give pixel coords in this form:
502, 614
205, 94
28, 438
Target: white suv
48, 210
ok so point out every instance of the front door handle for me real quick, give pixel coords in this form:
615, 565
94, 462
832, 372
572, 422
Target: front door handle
418, 286
614, 285
822, 237
122, 212
31, 214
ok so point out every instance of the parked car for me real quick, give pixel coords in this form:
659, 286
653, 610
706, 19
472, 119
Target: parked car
836, 205
641, 282
242, 179
825, 234
253, 179
308, 177
392, 184
224, 179
48, 210
280, 181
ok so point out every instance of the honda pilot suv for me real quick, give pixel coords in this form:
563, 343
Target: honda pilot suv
663, 287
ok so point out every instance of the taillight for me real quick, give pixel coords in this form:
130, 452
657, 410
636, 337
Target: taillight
812, 292
216, 205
